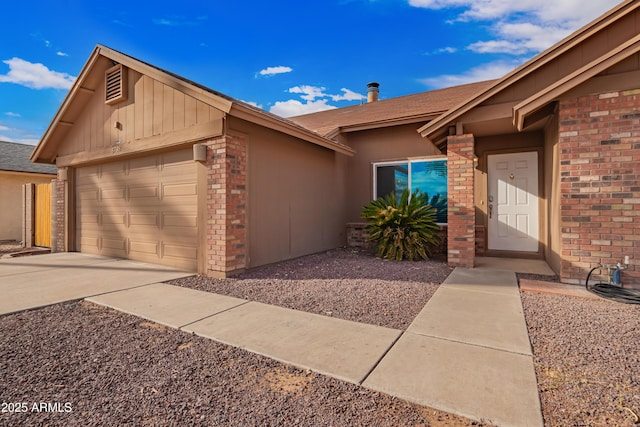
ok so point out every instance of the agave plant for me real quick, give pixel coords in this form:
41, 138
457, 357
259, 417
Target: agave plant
402, 230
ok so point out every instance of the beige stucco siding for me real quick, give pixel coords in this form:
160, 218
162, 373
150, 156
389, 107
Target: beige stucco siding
11, 201
552, 181
296, 196
378, 145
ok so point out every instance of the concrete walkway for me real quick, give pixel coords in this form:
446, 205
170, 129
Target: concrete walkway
467, 352
36, 281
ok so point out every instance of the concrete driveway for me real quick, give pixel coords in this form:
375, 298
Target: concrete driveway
36, 281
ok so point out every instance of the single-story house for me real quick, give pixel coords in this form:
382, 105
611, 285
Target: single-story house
542, 163
16, 170
156, 168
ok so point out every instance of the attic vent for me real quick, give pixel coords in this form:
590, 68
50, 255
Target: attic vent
115, 84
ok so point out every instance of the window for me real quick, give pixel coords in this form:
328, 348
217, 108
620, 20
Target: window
428, 176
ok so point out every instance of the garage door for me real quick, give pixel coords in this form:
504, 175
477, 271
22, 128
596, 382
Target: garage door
142, 209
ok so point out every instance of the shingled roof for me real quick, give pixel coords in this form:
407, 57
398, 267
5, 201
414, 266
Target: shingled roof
15, 157
404, 109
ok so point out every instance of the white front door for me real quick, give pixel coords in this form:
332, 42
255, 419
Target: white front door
512, 205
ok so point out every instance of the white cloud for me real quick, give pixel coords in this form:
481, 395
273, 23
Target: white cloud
309, 93
315, 99
293, 107
35, 76
12, 114
447, 49
4, 128
60, 53
522, 26
255, 104
270, 71
347, 95
30, 141
488, 71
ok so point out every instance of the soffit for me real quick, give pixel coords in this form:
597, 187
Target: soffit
90, 79
437, 129
539, 100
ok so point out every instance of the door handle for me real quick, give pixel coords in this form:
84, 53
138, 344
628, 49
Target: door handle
490, 210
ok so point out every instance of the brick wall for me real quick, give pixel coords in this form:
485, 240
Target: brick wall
461, 212
480, 240
58, 226
600, 183
226, 205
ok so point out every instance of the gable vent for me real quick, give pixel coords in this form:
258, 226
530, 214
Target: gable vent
115, 84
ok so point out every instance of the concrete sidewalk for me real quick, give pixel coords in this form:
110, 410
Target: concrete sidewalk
467, 352
36, 281
335, 347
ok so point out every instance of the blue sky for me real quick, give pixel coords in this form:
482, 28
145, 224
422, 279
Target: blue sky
289, 57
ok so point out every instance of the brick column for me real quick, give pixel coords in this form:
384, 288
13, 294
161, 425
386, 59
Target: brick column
226, 205
59, 220
461, 215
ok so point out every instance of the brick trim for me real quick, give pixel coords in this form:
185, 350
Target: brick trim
226, 205
461, 215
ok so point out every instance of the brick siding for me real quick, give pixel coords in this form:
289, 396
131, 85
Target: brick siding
226, 205
59, 229
461, 213
600, 183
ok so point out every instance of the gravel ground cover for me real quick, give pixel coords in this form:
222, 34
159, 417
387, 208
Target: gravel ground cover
9, 247
346, 283
82, 364
86, 365
587, 359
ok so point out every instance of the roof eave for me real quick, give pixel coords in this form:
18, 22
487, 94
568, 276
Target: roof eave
253, 115
430, 129
540, 99
134, 64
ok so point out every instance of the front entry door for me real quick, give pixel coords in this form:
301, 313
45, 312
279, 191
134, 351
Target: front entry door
513, 202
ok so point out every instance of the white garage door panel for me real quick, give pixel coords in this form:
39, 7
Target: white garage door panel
142, 209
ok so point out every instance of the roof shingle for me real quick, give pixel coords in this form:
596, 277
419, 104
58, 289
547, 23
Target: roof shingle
15, 157
419, 105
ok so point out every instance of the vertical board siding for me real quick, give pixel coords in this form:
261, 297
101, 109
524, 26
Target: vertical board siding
152, 108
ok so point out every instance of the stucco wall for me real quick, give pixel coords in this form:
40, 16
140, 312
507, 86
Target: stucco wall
11, 197
296, 196
378, 145
553, 247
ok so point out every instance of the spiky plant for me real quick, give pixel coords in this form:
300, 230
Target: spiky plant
402, 230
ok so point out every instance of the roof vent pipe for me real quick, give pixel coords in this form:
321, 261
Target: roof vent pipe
372, 91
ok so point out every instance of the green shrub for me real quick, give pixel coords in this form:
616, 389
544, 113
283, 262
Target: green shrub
404, 230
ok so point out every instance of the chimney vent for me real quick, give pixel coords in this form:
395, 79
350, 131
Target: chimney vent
372, 91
